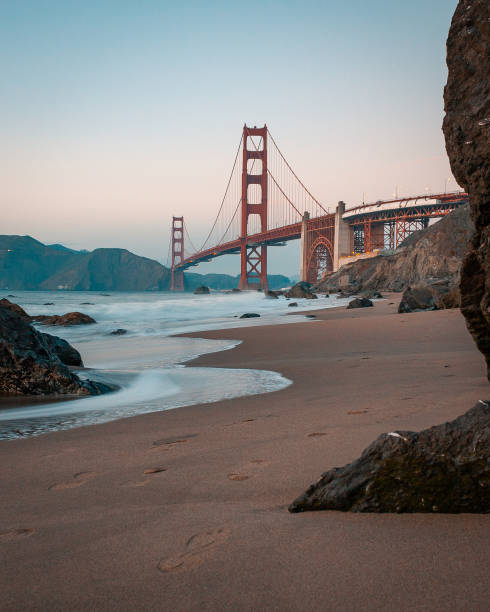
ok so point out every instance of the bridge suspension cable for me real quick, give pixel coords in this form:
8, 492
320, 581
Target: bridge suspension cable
288, 197
224, 197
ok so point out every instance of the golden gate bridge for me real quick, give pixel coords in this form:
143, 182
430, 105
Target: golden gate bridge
266, 204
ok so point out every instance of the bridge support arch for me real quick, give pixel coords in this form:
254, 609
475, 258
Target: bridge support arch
320, 260
253, 271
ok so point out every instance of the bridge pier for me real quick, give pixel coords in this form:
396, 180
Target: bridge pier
253, 271
343, 237
176, 273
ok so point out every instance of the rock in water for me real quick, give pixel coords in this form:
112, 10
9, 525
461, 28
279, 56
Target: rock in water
70, 318
249, 315
202, 290
118, 332
360, 303
301, 290
466, 129
63, 350
442, 469
33, 363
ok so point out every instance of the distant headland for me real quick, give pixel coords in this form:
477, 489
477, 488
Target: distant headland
28, 264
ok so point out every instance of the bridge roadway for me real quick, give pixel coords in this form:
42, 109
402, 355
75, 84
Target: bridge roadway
388, 211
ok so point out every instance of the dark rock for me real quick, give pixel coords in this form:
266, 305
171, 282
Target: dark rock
360, 303
15, 308
201, 290
300, 290
310, 316
271, 295
293, 304
429, 296
48, 304
441, 469
372, 294
31, 363
70, 318
466, 130
63, 350
118, 332
10, 295
249, 315
87, 304
236, 290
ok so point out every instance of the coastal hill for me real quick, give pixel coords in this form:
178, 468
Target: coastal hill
27, 264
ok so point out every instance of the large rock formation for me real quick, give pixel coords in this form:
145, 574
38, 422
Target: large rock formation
442, 469
434, 253
466, 129
33, 363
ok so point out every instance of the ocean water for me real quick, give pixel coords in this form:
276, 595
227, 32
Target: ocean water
147, 362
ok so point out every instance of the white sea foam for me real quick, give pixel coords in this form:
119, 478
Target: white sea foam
149, 391
145, 361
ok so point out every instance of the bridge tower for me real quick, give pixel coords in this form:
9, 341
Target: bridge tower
253, 273
176, 274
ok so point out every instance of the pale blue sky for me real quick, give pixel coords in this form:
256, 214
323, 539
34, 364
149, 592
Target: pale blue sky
116, 115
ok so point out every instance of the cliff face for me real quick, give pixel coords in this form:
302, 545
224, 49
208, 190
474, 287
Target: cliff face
434, 253
466, 129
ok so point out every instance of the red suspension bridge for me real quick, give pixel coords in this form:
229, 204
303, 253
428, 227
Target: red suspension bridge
266, 204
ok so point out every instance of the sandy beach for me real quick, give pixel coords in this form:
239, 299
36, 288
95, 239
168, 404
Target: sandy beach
187, 509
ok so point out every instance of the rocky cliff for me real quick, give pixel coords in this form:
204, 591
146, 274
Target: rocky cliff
433, 253
466, 129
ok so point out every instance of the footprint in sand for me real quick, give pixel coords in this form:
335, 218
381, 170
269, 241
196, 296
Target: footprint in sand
248, 470
198, 547
15, 534
167, 443
316, 434
79, 479
357, 412
145, 481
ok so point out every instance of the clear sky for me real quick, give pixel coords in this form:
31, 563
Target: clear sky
116, 114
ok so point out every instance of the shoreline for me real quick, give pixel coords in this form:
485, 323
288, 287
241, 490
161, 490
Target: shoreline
86, 522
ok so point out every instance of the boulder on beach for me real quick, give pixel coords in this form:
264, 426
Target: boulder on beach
33, 363
201, 290
300, 290
70, 318
249, 315
441, 469
118, 332
236, 290
292, 305
360, 303
429, 296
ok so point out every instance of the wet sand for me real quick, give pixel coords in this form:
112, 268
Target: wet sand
186, 509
